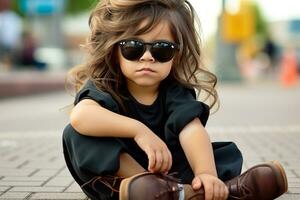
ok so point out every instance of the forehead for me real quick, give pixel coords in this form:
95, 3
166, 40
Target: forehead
158, 31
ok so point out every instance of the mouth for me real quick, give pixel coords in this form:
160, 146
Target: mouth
145, 70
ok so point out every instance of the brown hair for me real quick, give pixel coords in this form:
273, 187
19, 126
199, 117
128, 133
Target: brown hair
114, 20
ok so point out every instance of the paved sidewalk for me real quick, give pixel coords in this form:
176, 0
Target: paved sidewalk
32, 165
262, 120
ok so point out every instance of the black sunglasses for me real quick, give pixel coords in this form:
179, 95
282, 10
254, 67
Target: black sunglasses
162, 51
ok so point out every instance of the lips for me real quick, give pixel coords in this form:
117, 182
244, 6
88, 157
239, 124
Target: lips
146, 70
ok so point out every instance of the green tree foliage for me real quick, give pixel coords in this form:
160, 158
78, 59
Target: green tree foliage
16, 7
261, 25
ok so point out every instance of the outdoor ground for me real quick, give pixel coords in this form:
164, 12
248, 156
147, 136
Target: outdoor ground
262, 119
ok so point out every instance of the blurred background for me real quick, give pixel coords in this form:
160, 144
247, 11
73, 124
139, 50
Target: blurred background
245, 42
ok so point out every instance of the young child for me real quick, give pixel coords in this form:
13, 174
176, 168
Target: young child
136, 118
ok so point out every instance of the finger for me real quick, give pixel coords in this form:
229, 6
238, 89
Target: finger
165, 164
170, 160
151, 160
197, 183
218, 192
226, 192
223, 194
158, 161
209, 191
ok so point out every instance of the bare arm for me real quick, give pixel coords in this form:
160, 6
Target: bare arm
198, 149
89, 118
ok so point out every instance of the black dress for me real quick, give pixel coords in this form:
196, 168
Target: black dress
88, 157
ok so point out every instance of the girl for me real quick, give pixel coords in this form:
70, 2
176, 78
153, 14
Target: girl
136, 108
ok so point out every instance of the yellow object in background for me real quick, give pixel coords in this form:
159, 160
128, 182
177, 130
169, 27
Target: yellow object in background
240, 26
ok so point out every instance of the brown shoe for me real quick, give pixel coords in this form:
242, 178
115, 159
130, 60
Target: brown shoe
150, 186
261, 182
191, 194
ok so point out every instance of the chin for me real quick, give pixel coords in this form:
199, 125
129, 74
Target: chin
147, 83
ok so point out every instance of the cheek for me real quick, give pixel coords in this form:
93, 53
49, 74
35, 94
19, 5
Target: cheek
166, 69
169, 65
125, 67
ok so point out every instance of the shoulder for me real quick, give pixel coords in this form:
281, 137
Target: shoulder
182, 105
177, 90
90, 91
179, 95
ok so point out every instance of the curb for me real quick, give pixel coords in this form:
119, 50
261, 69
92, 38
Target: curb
16, 83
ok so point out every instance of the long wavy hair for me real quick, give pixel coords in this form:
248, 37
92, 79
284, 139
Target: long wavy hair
114, 20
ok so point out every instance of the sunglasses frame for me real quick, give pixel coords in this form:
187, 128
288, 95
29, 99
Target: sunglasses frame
146, 47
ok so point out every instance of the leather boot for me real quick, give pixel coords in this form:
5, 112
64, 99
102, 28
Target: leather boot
150, 186
191, 194
261, 182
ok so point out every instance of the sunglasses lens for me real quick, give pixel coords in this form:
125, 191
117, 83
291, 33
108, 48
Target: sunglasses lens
132, 50
162, 51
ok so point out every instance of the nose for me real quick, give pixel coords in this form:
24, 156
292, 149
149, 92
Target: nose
147, 56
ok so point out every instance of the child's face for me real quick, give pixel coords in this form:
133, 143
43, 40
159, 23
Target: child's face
146, 71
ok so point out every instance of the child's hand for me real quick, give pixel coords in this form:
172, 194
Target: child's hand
214, 188
159, 156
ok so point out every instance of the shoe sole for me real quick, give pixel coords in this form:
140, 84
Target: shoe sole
281, 177
123, 194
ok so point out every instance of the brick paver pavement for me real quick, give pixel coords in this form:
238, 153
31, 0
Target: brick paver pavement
262, 120
32, 165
